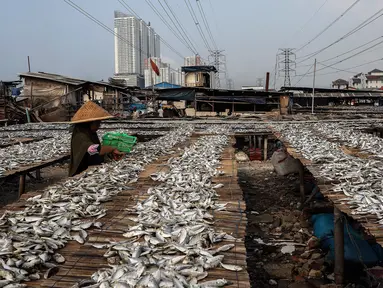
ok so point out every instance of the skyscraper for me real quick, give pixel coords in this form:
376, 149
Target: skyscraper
192, 60
135, 42
144, 45
126, 44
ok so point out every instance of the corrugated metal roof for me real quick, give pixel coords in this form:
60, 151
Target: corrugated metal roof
54, 77
67, 80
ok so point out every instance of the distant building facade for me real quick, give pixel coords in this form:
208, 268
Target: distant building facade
134, 42
165, 73
359, 81
375, 79
371, 80
340, 84
192, 61
177, 77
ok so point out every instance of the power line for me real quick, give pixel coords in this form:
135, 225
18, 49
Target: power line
168, 25
180, 24
304, 75
344, 53
365, 23
184, 36
352, 50
347, 70
131, 10
352, 56
98, 22
312, 17
195, 19
329, 26
127, 7
207, 26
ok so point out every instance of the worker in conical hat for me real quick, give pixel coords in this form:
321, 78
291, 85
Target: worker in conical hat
86, 148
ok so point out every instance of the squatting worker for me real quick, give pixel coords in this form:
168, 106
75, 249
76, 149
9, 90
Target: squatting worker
86, 148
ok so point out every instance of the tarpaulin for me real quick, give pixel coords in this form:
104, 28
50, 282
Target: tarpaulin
177, 95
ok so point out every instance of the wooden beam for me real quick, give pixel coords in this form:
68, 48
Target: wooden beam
38, 174
265, 148
21, 185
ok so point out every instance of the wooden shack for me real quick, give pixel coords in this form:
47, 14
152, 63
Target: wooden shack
57, 97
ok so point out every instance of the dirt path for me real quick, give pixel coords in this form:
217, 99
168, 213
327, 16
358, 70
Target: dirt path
273, 217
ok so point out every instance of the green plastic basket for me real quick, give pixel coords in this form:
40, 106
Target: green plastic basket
121, 141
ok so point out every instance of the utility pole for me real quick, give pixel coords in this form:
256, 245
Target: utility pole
287, 59
313, 98
218, 60
29, 65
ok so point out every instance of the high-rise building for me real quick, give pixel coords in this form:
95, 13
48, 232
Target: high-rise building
165, 73
192, 60
134, 43
154, 46
144, 45
177, 77
126, 44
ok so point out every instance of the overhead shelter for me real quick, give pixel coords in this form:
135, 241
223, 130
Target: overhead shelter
214, 100
325, 96
57, 97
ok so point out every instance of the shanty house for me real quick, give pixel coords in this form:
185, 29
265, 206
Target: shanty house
199, 76
57, 97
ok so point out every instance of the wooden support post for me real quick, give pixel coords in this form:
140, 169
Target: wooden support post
265, 148
38, 174
302, 182
30, 176
339, 246
21, 185
259, 142
195, 105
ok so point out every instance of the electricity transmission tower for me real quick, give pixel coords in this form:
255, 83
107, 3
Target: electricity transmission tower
286, 64
230, 84
218, 60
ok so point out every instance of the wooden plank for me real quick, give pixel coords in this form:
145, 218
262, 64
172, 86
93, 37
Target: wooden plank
33, 167
368, 222
83, 260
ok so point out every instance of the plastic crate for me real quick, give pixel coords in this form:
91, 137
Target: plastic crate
120, 141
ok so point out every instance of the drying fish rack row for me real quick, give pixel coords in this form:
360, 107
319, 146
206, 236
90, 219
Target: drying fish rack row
83, 260
369, 222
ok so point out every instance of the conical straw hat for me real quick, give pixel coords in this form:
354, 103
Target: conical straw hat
89, 112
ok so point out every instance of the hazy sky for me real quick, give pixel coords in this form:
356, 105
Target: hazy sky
61, 40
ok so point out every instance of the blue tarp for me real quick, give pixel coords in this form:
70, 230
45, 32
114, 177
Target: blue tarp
166, 85
356, 249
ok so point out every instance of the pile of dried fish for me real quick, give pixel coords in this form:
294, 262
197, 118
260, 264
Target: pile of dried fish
32, 134
230, 128
29, 238
172, 243
26, 154
360, 179
35, 126
354, 138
